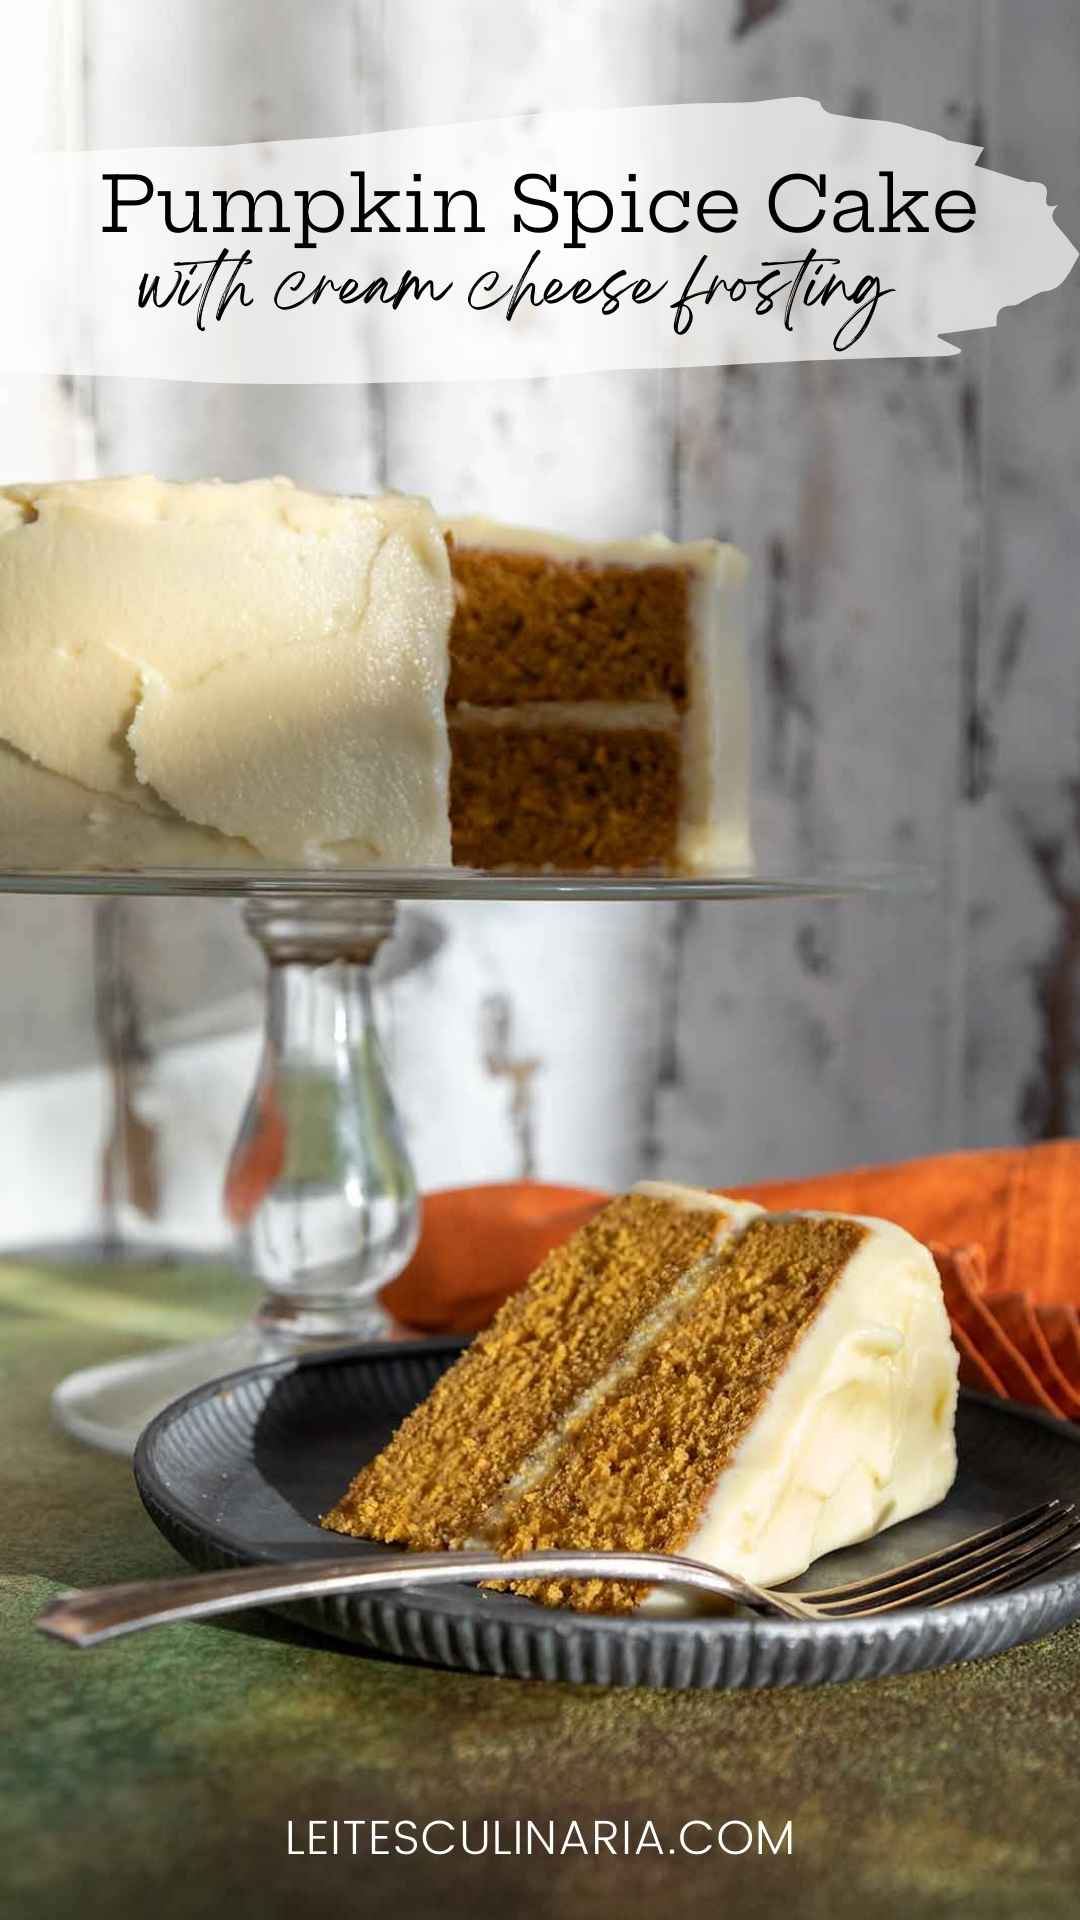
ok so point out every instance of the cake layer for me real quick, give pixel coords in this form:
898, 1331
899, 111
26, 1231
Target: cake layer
253, 659
575, 792
527, 627
455, 1455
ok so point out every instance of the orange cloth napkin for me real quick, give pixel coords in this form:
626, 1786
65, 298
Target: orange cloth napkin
1004, 1226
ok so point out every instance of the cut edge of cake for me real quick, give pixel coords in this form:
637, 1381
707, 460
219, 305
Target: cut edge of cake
679, 723
448, 1464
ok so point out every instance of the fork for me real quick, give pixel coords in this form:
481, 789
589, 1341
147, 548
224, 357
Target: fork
999, 1557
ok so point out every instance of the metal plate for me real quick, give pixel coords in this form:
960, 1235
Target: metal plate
239, 1470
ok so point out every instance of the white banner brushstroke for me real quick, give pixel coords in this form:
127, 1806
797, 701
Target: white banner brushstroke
71, 297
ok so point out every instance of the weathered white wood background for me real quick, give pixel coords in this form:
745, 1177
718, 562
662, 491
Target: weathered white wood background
914, 535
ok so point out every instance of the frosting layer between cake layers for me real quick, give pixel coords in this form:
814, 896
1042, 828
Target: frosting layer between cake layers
249, 664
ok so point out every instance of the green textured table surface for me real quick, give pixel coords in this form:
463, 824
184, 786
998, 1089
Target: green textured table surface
159, 1775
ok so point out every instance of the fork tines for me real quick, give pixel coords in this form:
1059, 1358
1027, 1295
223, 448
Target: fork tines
999, 1557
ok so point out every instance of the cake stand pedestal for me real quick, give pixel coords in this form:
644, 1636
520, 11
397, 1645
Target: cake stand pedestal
320, 1187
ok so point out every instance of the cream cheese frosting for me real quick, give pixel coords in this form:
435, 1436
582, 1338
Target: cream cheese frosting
49, 824
857, 1432
260, 669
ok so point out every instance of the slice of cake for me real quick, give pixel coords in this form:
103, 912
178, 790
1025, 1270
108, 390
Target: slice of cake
259, 662
597, 703
686, 1374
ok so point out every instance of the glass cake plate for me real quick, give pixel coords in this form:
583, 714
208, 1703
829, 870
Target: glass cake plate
828, 881
320, 1188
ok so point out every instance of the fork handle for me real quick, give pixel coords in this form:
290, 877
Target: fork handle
86, 1618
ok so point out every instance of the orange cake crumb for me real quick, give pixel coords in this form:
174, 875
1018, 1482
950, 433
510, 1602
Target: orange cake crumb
635, 1471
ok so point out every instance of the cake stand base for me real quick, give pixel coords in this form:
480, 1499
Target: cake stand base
108, 1406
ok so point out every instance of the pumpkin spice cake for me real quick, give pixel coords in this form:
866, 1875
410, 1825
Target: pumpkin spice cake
686, 1374
250, 674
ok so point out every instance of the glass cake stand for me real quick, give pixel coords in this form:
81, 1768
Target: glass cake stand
320, 1188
